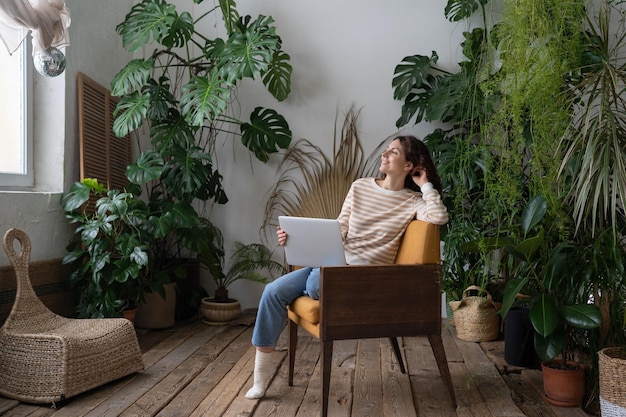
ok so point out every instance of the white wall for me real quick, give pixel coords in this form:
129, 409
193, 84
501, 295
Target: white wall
342, 52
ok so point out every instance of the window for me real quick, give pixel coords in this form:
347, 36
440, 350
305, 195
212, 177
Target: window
16, 155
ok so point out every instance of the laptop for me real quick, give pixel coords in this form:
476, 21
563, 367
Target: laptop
312, 242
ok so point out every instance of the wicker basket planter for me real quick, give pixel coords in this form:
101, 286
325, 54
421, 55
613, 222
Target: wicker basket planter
475, 317
219, 313
612, 375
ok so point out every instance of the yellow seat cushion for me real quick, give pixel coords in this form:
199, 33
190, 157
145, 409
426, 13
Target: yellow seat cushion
306, 308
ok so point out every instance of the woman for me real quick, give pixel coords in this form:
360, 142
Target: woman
373, 218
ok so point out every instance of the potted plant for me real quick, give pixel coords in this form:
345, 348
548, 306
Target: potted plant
246, 262
553, 315
109, 250
181, 95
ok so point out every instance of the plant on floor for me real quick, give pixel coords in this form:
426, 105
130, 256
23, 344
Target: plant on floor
109, 252
555, 311
184, 95
250, 262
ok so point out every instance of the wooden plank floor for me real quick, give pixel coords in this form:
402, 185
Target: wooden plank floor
197, 370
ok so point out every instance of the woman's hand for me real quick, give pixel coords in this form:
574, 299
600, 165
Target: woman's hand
419, 176
282, 236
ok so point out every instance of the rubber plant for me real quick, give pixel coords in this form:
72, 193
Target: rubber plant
552, 316
184, 96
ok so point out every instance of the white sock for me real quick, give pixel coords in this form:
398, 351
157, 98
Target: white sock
262, 372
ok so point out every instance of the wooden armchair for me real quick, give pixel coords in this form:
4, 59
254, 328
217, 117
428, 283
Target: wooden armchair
403, 299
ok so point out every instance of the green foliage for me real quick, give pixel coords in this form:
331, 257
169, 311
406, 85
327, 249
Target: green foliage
182, 95
109, 251
251, 50
457, 10
459, 100
551, 315
246, 262
543, 85
595, 144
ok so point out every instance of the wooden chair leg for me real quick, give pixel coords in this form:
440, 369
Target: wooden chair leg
293, 343
436, 345
326, 359
396, 350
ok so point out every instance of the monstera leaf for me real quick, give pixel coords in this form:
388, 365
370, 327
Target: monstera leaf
130, 113
266, 133
155, 20
415, 81
457, 10
248, 52
132, 77
204, 99
277, 78
147, 167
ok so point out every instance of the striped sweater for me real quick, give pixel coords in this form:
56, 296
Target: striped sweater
373, 219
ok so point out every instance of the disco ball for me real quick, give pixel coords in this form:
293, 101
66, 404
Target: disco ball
50, 62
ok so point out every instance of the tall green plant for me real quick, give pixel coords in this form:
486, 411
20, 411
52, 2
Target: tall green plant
430, 93
182, 94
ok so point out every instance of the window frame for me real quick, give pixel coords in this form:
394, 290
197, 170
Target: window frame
26, 180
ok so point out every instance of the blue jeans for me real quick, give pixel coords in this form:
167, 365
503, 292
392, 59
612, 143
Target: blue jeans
272, 313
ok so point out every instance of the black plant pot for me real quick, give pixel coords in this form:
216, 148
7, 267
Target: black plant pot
519, 348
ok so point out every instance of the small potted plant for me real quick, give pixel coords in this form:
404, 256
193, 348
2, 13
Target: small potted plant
246, 262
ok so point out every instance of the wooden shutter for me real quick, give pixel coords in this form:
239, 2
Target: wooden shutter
102, 154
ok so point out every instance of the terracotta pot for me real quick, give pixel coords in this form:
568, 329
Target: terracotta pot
130, 314
564, 387
221, 313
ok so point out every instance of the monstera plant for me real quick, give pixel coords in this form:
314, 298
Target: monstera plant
182, 97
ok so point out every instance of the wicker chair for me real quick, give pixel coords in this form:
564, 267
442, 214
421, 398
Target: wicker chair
45, 358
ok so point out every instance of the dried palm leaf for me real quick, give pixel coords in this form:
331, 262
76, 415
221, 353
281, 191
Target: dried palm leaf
311, 184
